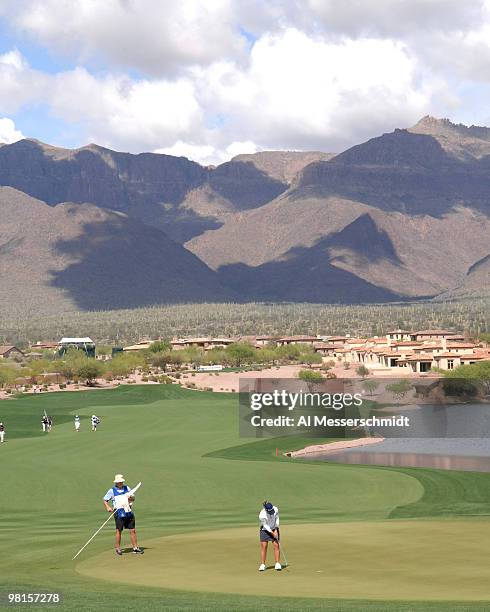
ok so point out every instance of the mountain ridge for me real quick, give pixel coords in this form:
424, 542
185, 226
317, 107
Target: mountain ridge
401, 216
81, 257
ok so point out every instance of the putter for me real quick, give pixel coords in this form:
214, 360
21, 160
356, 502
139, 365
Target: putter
281, 551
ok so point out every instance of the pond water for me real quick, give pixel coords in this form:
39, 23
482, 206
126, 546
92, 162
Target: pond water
455, 437
425, 460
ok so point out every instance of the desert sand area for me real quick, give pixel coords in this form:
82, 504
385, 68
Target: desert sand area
223, 381
229, 381
332, 447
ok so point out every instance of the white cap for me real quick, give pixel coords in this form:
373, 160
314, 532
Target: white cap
118, 478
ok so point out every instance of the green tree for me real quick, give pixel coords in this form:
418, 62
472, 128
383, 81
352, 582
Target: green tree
312, 378
289, 352
370, 386
309, 358
215, 356
161, 359
89, 371
267, 355
240, 352
125, 363
160, 346
399, 389
104, 349
362, 371
8, 376
69, 364
193, 355
468, 379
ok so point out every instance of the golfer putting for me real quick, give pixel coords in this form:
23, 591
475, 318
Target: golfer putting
123, 512
269, 532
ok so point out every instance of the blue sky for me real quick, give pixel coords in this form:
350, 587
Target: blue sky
212, 79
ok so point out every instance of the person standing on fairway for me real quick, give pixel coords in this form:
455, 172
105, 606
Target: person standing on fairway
269, 532
124, 515
77, 423
95, 422
44, 422
2, 433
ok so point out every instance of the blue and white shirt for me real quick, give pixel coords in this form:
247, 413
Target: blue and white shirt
111, 495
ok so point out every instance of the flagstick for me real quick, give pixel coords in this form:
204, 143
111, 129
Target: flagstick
129, 493
99, 529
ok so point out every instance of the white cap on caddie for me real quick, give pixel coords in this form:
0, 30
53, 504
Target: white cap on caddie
118, 478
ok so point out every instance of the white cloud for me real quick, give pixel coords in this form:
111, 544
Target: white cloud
124, 113
157, 38
296, 92
8, 133
300, 91
19, 85
203, 154
237, 148
207, 154
163, 38
12, 59
222, 77
394, 18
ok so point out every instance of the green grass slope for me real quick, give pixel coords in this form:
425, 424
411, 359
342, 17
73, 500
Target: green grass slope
52, 487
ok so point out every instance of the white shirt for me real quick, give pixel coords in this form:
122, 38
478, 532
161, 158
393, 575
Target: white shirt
269, 522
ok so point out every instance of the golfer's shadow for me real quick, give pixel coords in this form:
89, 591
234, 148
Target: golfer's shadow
126, 551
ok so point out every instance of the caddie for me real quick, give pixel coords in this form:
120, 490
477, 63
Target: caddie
123, 512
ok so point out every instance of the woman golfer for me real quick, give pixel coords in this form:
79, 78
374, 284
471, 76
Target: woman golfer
123, 514
269, 532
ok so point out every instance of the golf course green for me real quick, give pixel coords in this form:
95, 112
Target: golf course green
356, 537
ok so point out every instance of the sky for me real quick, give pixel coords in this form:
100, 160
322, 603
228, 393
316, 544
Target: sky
209, 79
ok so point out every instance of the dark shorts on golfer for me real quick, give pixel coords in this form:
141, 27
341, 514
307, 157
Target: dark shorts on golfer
265, 536
125, 522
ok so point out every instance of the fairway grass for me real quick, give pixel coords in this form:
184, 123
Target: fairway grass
170, 439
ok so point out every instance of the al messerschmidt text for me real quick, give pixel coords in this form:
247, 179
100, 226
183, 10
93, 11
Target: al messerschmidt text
325, 421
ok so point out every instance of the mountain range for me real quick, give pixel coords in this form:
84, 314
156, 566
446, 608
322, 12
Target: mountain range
403, 216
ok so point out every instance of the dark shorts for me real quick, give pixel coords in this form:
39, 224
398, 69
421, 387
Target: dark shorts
125, 522
265, 536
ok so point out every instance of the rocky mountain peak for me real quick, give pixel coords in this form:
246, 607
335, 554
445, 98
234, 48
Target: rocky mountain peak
461, 141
